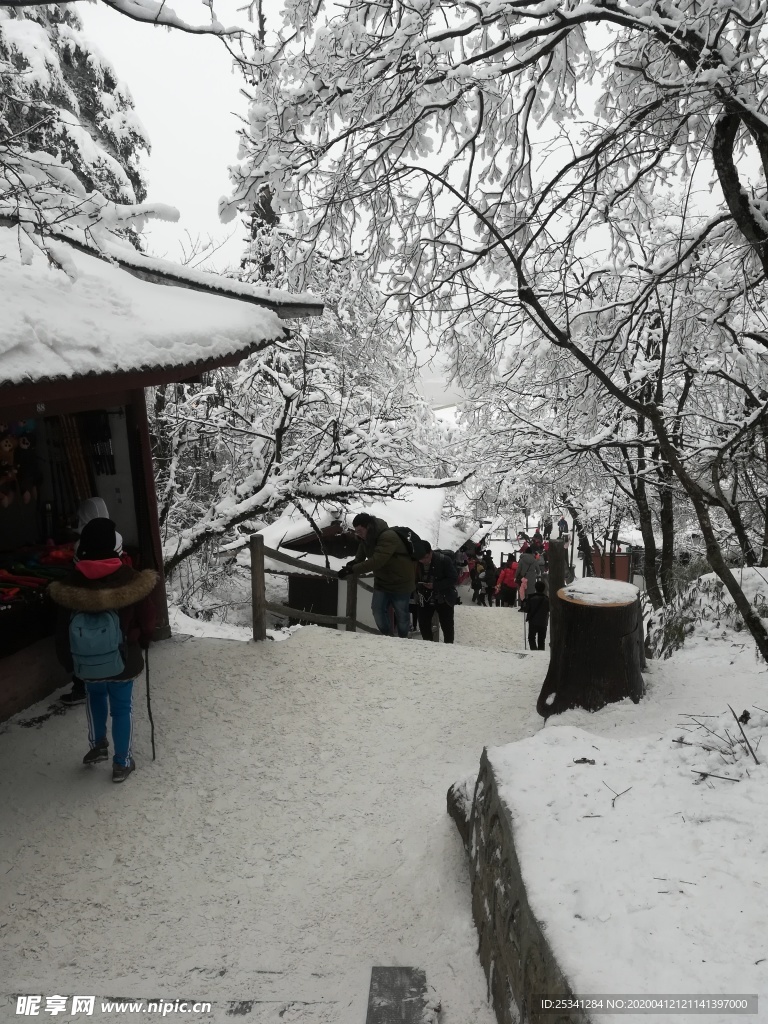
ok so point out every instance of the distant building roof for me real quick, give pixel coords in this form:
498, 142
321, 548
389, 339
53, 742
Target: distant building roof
420, 509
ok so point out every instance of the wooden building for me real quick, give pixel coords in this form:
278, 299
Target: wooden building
76, 354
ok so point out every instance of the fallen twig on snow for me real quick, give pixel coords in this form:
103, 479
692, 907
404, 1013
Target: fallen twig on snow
709, 775
749, 745
615, 794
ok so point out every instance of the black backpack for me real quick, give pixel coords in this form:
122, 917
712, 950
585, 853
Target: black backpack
414, 544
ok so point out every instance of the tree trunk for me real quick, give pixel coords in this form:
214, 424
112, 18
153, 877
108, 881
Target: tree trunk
612, 553
581, 533
558, 564
640, 494
596, 651
650, 557
667, 523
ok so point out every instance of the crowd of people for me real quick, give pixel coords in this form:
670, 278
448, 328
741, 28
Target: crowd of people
413, 583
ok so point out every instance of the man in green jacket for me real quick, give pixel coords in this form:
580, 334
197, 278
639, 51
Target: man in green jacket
383, 552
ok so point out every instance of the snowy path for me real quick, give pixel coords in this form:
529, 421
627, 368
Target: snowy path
291, 835
499, 629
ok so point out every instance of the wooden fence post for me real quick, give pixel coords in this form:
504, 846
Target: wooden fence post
351, 624
258, 594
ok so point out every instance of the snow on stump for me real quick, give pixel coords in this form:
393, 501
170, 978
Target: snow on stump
597, 652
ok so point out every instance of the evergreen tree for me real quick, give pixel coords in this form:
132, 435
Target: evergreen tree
70, 139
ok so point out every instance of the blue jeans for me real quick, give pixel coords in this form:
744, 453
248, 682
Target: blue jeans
117, 695
381, 602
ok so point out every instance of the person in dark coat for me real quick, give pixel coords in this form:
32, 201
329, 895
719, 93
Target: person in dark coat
562, 527
491, 576
100, 582
477, 582
436, 584
537, 616
528, 571
383, 552
546, 527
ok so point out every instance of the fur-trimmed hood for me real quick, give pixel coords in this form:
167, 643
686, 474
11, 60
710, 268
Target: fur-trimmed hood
118, 590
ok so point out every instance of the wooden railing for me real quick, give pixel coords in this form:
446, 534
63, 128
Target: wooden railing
261, 606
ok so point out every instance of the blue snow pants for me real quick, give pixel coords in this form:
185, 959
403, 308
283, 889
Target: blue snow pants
117, 696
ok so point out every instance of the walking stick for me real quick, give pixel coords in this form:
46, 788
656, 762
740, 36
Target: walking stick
149, 702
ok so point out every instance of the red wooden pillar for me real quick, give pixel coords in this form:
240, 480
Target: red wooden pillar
148, 496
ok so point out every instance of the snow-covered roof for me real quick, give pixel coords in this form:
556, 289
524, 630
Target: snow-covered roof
91, 317
287, 305
420, 509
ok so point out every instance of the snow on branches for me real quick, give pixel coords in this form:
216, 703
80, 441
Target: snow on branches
155, 12
331, 415
70, 139
575, 191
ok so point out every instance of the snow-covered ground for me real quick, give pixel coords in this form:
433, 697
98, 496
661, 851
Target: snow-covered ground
648, 865
291, 834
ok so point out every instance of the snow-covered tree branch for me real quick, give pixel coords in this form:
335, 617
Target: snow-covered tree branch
330, 416
70, 139
152, 12
577, 188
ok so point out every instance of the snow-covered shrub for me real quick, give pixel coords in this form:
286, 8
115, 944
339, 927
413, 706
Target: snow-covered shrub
719, 746
704, 606
684, 573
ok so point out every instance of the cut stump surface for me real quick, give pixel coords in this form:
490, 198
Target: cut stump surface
598, 654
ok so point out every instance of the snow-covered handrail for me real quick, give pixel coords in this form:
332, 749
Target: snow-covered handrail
260, 605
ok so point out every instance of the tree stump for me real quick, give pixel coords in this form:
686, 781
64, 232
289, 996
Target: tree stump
597, 653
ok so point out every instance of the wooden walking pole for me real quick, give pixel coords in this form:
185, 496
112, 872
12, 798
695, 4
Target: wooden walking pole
351, 613
258, 595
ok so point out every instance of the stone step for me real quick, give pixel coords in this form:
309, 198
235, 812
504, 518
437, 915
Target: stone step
399, 995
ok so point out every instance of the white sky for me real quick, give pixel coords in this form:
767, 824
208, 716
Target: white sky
187, 95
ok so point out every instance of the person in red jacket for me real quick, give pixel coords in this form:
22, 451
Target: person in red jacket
506, 587
100, 583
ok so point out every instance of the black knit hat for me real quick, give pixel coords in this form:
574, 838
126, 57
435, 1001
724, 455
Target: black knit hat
98, 541
362, 519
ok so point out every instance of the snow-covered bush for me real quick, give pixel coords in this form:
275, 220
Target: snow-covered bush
721, 746
706, 608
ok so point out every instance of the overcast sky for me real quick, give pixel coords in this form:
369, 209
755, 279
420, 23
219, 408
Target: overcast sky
188, 97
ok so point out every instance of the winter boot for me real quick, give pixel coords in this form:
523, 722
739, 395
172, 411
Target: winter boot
98, 753
121, 772
76, 695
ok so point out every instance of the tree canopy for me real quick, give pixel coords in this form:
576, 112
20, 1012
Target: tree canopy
571, 195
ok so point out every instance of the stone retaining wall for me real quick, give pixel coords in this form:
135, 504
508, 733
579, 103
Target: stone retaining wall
513, 949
